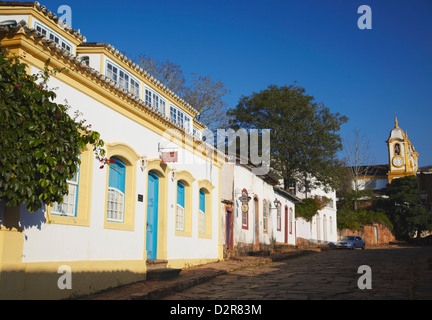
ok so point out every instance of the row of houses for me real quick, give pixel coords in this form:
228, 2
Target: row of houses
169, 198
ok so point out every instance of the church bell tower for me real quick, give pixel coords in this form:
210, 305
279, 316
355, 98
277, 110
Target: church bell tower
403, 159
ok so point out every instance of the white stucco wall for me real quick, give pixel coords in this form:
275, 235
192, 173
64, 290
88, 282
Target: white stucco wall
323, 226
280, 234
56, 242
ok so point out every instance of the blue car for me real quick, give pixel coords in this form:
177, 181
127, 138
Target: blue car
351, 242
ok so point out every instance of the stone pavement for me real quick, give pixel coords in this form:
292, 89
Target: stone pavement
153, 290
399, 272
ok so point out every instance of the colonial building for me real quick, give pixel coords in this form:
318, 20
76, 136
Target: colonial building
158, 203
322, 228
256, 214
403, 159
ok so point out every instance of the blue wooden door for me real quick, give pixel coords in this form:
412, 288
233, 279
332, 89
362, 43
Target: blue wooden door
152, 215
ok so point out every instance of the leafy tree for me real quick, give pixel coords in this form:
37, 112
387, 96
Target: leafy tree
404, 208
304, 134
310, 206
40, 144
354, 212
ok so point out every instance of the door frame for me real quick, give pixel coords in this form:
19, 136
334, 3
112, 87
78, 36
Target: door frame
151, 255
256, 229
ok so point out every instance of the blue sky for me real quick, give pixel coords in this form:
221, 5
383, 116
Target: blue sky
367, 75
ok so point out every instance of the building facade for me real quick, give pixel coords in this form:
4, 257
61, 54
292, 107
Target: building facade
322, 228
255, 213
403, 159
159, 201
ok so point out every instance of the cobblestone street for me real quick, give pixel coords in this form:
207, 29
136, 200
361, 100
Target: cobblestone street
396, 273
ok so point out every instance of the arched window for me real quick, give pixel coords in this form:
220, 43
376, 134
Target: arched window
121, 185
76, 206
86, 60
291, 218
397, 149
184, 203
205, 209
279, 216
331, 226
70, 200
116, 191
180, 213
201, 212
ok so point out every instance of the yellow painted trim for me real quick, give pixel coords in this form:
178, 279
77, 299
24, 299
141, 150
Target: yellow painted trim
187, 179
102, 59
162, 171
207, 187
11, 246
130, 158
103, 93
38, 280
30, 20
32, 12
144, 81
84, 194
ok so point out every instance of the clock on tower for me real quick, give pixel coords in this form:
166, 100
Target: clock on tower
403, 159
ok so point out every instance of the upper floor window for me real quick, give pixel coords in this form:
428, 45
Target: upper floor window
42, 30
122, 78
155, 100
180, 118
196, 133
86, 60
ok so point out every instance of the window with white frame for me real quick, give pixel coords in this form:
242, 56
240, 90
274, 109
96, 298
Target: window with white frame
155, 101
42, 30
134, 87
265, 215
116, 191
279, 216
179, 117
196, 133
70, 201
180, 212
201, 212
187, 124
122, 78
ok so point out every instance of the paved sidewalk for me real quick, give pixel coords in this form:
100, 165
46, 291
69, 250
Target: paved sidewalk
153, 290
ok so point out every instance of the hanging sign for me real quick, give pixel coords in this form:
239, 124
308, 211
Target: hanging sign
244, 199
169, 157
